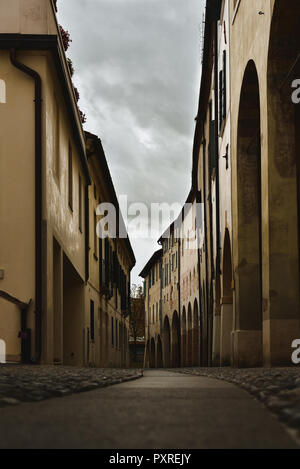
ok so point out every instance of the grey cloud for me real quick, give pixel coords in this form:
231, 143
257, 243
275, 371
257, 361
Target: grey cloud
138, 69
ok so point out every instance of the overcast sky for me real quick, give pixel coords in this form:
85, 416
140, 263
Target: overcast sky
137, 67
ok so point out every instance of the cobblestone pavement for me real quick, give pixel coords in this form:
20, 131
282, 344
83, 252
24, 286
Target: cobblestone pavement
36, 383
277, 388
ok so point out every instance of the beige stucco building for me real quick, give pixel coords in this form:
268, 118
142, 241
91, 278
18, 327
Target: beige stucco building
190, 241
45, 180
245, 176
171, 280
265, 181
152, 274
245, 167
110, 263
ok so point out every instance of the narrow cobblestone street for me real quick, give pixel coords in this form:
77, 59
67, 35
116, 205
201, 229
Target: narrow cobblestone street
277, 388
37, 383
163, 409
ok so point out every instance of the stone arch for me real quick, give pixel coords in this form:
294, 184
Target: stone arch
226, 302
183, 337
196, 331
217, 322
189, 356
167, 343
159, 363
248, 249
175, 340
147, 355
2, 92
281, 288
152, 353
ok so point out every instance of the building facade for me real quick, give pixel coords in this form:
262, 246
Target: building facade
246, 179
152, 274
45, 228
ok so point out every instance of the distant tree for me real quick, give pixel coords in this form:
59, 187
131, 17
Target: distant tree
137, 319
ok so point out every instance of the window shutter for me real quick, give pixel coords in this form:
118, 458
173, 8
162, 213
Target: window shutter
224, 104
220, 100
212, 145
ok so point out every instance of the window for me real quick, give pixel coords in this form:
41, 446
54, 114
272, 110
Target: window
80, 203
56, 137
2, 92
95, 236
222, 92
92, 320
70, 178
212, 140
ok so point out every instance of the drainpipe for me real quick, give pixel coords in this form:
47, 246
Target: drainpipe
38, 199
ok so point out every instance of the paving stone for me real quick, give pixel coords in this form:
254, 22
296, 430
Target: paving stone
36, 383
8, 401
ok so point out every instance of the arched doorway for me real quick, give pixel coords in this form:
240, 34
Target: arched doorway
167, 343
196, 332
175, 341
159, 353
226, 303
183, 338
152, 353
282, 285
189, 358
217, 322
147, 355
248, 326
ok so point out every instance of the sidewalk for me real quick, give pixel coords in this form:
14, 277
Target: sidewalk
162, 410
276, 388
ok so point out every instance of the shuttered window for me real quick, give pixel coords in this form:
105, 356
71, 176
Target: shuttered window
222, 92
